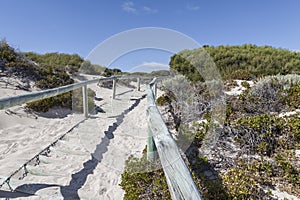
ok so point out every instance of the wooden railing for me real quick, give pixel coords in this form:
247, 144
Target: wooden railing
180, 182
8, 102
160, 142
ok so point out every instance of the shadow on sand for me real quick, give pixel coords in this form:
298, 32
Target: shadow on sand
70, 191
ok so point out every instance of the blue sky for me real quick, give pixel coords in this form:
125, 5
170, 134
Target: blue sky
78, 26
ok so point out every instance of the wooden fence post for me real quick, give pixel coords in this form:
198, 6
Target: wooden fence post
85, 101
138, 84
151, 149
179, 179
8, 102
155, 90
114, 88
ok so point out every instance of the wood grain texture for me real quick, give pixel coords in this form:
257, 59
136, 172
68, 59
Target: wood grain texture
179, 179
34, 96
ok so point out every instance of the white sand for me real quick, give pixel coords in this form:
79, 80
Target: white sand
276, 193
87, 163
239, 88
287, 114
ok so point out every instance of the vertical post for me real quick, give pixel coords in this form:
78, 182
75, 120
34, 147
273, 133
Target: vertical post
85, 101
151, 149
155, 90
138, 84
114, 88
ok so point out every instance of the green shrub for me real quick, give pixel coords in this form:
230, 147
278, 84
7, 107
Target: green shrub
110, 72
47, 71
261, 130
138, 183
290, 128
229, 84
70, 62
289, 171
78, 101
51, 77
246, 179
67, 100
245, 84
62, 100
271, 94
243, 62
240, 184
268, 132
241, 75
293, 97
7, 53
210, 189
163, 100
88, 68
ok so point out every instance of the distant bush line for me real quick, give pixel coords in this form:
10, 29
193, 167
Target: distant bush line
237, 62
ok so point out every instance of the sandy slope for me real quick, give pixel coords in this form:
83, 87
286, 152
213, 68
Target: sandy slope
88, 162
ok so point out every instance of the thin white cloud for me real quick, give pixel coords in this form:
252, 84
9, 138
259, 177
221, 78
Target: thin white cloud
155, 64
150, 66
149, 10
192, 7
128, 6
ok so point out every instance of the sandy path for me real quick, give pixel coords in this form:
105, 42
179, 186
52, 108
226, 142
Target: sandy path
88, 162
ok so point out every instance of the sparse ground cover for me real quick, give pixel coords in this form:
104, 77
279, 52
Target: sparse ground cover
256, 154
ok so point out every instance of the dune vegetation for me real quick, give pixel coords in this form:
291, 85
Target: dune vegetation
244, 62
256, 151
258, 147
46, 71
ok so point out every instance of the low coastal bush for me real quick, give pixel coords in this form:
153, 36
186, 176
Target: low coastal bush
62, 100
292, 99
48, 71
237, 62
241, 75
270, 94
141, 181
264, 133
247, 180
240, 184
70, 100
163, 100
275, 140
245, 84
77, 101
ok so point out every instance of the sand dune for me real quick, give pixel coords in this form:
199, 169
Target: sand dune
87, 163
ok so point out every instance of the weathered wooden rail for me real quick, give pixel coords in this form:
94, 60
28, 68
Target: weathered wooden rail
180, 182
160, 142
8, 102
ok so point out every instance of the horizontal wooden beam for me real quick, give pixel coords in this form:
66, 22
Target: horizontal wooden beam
179, 179
8, 102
